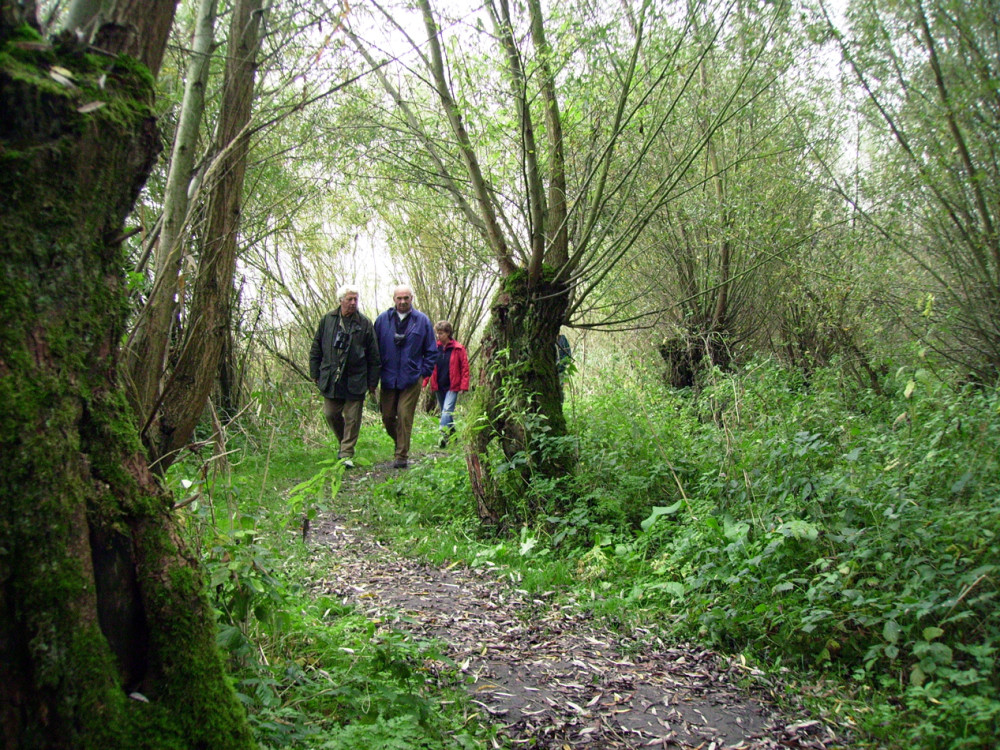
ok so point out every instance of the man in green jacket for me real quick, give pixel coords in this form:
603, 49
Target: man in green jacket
344, 363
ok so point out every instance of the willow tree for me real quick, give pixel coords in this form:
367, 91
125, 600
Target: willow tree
172, 367
717, 258
206, 334
929, 70
146, 357
541, 138
240, 174
106, 636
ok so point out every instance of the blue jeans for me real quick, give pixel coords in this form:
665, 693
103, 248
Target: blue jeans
446, 402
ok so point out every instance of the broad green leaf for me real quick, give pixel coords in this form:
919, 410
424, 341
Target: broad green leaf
890, 631
799, 529
736, 530
660, 510
672, 587
941, 654
931, 633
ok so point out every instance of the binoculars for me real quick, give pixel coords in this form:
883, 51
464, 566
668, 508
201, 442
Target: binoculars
341, 340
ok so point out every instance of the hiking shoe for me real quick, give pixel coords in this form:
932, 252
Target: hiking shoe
443, 443
399, 463
348, 463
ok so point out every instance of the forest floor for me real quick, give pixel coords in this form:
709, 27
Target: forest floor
547, 673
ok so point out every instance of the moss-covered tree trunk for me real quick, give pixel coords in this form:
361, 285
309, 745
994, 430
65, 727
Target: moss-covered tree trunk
106, 637
518, 403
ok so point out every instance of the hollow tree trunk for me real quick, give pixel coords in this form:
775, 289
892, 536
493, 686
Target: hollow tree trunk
520, 396
106, 637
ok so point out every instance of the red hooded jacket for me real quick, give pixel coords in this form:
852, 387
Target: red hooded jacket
458, 369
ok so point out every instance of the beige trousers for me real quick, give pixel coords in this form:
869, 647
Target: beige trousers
398, 408
344, 418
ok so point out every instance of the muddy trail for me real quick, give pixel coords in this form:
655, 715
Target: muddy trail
544, 671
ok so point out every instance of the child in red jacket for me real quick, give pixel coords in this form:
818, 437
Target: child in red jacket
450, 376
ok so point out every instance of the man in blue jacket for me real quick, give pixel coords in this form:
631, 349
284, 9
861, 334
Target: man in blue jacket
409, 352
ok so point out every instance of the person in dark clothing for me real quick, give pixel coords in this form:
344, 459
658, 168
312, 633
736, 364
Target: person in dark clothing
406, 342
450, 376
564, 356
344, 362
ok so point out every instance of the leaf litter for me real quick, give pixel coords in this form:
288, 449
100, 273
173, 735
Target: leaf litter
544, 671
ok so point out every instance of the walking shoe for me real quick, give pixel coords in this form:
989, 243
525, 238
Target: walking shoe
443, 442
348, 463
399, 463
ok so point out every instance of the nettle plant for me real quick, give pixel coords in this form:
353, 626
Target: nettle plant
308, 498
894, 565
808, 528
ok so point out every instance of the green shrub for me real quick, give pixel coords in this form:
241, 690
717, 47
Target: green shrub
802, 529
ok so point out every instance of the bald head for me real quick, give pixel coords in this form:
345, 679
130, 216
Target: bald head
402, 299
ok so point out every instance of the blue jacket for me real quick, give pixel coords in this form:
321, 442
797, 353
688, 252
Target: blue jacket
404, 365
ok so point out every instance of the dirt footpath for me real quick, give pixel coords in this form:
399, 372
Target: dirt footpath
545, 672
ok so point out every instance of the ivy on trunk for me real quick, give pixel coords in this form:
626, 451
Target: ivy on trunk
518, 410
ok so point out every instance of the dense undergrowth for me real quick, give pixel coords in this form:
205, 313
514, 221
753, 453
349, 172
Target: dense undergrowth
820, 527
846, 539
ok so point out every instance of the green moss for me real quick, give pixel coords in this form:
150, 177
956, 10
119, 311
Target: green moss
512, 284
29, 68
138, 71
100, 695
26, 33
184, 581
518, 280
67, 433
205, 707
111, 438
22, 33
125, 86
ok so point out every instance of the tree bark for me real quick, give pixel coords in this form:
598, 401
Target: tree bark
150, 341
137, 28
518, 403
197, 361
106, 636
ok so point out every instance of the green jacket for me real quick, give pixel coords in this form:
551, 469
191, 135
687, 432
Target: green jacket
360, 358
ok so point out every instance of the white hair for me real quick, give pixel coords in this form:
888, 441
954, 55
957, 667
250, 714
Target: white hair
407, 287
347, 289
